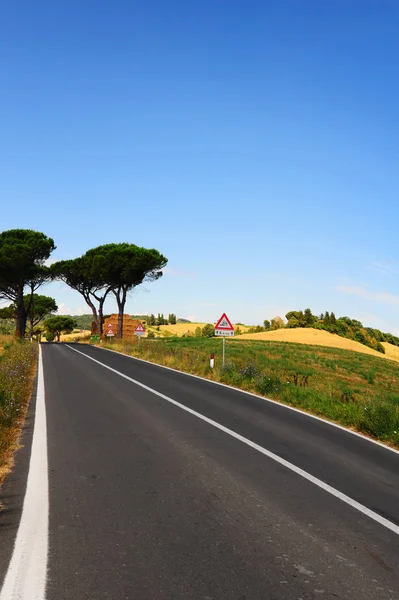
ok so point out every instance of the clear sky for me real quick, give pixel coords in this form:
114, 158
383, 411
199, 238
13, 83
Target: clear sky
255, 143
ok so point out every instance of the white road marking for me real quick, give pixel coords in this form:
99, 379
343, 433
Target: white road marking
321, 484
27, 572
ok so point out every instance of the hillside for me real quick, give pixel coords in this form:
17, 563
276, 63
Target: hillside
308, 335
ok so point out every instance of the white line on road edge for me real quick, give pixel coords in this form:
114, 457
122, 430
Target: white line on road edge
27, 572
321, 484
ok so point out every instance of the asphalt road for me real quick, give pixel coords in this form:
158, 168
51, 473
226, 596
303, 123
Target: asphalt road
149, 501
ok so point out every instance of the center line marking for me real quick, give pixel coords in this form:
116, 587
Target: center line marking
318, 482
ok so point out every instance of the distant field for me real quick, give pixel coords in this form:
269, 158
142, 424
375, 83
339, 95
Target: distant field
181, 328
391, 351
320, 338
69, 337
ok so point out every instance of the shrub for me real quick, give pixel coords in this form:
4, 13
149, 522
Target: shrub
380, 418
249, 371
268, 384
150, 335
208, 330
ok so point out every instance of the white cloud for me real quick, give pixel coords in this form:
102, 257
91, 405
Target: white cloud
383, 297
386, 268
63, 309
50, 261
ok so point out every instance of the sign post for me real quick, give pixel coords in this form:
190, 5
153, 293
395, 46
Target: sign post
110, 331
139, 331
225, 329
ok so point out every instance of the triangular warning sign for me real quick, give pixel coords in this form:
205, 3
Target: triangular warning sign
139, 328
224, 323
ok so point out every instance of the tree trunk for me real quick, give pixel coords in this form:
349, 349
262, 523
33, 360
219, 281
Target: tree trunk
31, 328
20, 325
121, 301
95, 314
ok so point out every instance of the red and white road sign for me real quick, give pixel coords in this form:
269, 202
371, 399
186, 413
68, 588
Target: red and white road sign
224, 326
110, 331
139, 330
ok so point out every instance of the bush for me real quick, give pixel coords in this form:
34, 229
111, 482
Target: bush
380, 418
198, 332
268, 384
50, 336
208, 330
150, 335
249, 371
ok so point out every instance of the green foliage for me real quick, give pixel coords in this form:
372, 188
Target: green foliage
22, 254
343, 326
198, 332
256, 329
277, 323
172, 319
150, 335
83, 321
266, 324
8, 312
208, 330
380, 419
268, 384
59, 324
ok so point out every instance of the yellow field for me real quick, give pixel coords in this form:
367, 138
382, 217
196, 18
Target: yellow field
181, 328
69, 337
391, 351
319, 337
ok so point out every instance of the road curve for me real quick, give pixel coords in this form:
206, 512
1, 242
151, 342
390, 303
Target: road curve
149, 501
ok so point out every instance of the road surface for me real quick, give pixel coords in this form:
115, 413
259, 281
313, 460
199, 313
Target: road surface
165, 486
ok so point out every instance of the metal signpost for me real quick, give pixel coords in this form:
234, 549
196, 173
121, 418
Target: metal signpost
225, 329
139, 331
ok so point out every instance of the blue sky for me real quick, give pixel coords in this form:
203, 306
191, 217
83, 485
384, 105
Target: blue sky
254, 143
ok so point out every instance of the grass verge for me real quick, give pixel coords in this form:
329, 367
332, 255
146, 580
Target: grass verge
355, 390
17, 370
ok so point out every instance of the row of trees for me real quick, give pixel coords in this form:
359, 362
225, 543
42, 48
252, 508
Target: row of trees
114, 269
343, 326
152, 320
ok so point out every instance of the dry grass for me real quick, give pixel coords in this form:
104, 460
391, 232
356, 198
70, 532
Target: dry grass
319, 337
70, 337
4, 340
391, 351
17, 371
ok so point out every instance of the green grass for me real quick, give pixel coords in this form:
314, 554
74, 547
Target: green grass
356, 390
17, 367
